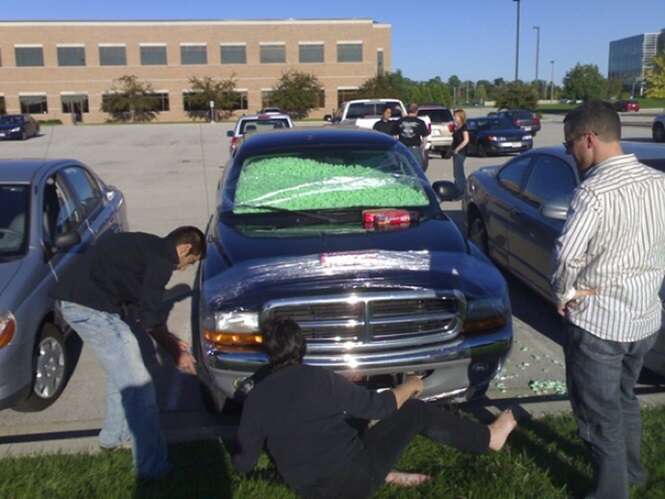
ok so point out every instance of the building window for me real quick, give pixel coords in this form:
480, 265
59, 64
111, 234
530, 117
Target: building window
33, 104
71, 56
349, 52
311, 52
193, 105
233, 54
3, 105
153, 55
29, 56
111, 106
160, 102
379, 61
240, 101
321, 102
273, 53
75, 102
113, 56
193, 54
345, 95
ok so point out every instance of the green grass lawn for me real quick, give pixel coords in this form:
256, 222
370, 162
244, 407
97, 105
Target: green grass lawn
544, 459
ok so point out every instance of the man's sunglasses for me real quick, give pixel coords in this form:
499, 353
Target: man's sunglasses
568, 145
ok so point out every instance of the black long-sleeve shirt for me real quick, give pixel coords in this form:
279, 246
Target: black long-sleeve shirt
299, 412
122, 269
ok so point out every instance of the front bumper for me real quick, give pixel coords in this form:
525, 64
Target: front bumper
440, 142
451, 368
497, 148
7, 135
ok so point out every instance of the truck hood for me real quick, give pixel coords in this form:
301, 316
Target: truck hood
248, 285
438, 234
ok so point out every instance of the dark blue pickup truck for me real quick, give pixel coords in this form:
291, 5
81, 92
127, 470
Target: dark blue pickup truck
340, 230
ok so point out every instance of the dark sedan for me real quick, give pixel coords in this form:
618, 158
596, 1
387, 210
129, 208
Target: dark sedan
522, 118
493, 135
18, 126
515, 212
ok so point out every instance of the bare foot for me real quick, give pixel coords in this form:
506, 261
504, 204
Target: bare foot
406, 479
501, 428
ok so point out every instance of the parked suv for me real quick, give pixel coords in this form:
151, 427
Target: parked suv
256, 123
441, 137
340, 230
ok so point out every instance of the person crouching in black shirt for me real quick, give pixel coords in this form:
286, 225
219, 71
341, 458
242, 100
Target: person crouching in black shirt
300, 413
385, 124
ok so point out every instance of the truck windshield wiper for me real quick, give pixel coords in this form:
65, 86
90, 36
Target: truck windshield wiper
277, 209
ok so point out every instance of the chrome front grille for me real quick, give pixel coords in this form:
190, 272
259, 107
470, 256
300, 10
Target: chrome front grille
373, 320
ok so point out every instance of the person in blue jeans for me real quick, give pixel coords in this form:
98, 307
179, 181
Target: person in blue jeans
610, 269
115, 293
460, 141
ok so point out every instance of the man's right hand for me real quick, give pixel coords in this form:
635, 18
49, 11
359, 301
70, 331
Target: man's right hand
415, 383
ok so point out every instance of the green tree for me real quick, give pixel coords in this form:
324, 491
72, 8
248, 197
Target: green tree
585, 82
130, 99
656, 78
387, 85
221, 92
614, 88
297, 93
517, 95
481, 93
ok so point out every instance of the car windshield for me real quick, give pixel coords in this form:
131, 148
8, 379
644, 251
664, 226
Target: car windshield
489, 124
250, 126
437, 115
13, 219
364, 109
11, 119
328, 179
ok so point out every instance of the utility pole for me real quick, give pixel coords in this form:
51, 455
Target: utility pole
517, 42
537, 28
552, 82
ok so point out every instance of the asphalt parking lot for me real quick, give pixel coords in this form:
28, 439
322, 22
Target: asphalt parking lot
169, 175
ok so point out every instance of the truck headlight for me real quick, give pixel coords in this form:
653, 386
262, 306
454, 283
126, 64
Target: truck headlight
7, 328
486, 313
233, 331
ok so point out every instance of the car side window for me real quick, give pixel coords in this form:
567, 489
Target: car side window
59, 211
550, 179
512, 175
85, 188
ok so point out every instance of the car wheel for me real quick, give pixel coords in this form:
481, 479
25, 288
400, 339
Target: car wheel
50, 364
476, 392
659, 132
477, 233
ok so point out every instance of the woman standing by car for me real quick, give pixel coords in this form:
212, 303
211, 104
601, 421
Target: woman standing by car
460, 141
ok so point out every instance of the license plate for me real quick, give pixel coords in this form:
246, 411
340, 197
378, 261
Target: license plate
2, 134
511, 144
436, 133
526, 128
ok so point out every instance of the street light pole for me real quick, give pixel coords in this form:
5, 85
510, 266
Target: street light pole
537, 28
517, 42
552, 82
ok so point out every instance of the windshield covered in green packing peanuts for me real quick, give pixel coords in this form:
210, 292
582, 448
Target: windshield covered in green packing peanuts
321, 180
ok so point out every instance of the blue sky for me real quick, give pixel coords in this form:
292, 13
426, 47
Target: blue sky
474, 39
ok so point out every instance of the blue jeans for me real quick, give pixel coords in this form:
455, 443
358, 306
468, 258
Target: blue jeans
131, 403
458, 172
601, 377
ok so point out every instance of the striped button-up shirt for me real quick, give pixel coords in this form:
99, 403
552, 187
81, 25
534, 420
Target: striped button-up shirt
614, 241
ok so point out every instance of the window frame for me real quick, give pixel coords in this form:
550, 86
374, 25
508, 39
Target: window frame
101, 48
525, 175
28, 47
532, 169
272, 45
306, 45
242, 46
185, 46
153, 46
349, 44
60, 50
86, 211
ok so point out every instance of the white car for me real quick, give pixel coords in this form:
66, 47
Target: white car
441, 137
256, 123
658, 128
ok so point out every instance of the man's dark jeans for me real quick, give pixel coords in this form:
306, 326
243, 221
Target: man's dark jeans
601, 377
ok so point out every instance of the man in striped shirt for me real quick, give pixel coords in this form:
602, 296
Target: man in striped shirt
610, 267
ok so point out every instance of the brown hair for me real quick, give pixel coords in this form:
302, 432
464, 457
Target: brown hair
461, 114
593, 116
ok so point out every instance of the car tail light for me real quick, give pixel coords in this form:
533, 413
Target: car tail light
7, 328
386, 218
234, 142
451, 127
516, 122
536, 120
